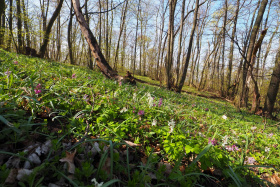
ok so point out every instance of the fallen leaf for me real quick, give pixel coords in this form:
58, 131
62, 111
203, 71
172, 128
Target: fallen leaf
12, 176
131, 144
69, 159
168, 167
107, 166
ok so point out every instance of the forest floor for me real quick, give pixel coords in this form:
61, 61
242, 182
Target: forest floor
63, 125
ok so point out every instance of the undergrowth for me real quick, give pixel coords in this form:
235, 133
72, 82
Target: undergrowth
67, 125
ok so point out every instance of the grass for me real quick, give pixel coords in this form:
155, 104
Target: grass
122, 134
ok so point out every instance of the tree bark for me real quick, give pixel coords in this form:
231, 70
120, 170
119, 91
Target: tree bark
180, 42
2, 22
182, 81
232, 48
101, 61
223, 53
273, 87
170, 44
48, 30
243, 95
19, 28
123, 18
69, 35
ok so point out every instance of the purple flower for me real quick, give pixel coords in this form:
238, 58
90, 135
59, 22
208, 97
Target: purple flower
141, 112
250, 160
206, 109
8, 73
193, 105
120, 83
270, 135
232, 148
38, 86
16, 62
212, 141
160, 102
37, 91
74, 76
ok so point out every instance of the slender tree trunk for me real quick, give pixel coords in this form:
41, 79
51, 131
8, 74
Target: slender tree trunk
10, 36
123, 18
26, 26
19, 27
160, 43
48, 30
107, 32
69, 36
180, 41
223, 53
232, 47
170, 44
136, 35
90, 63
182, 81
2, 22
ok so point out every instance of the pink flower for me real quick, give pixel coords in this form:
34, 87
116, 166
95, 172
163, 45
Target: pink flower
231, 148
38, 86
74, 76
37, 91
8, 73
160, 102
212, 141
141, 112
16, 62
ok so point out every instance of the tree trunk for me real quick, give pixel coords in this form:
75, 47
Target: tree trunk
26, 27
243, 96
19, 28
69, 36
48, 30
90, 63
10, 26
170, 44
223, 53
256, 97
2, 22
273, 87
182, 81
136, 35
120, 34
180, 42
101, 61
232, 48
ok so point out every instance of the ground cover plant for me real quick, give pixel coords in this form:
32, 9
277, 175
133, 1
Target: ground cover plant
66, 125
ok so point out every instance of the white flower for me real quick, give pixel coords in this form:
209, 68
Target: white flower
253, 128
123, 110
116, 94
171, 125
224, 117
225, 139
267, 149
154, 123
150, 100
96, 184
134, 96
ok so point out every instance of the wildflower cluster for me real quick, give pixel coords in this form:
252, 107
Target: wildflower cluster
37, 90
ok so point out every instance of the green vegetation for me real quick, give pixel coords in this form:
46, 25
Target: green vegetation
122, 134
